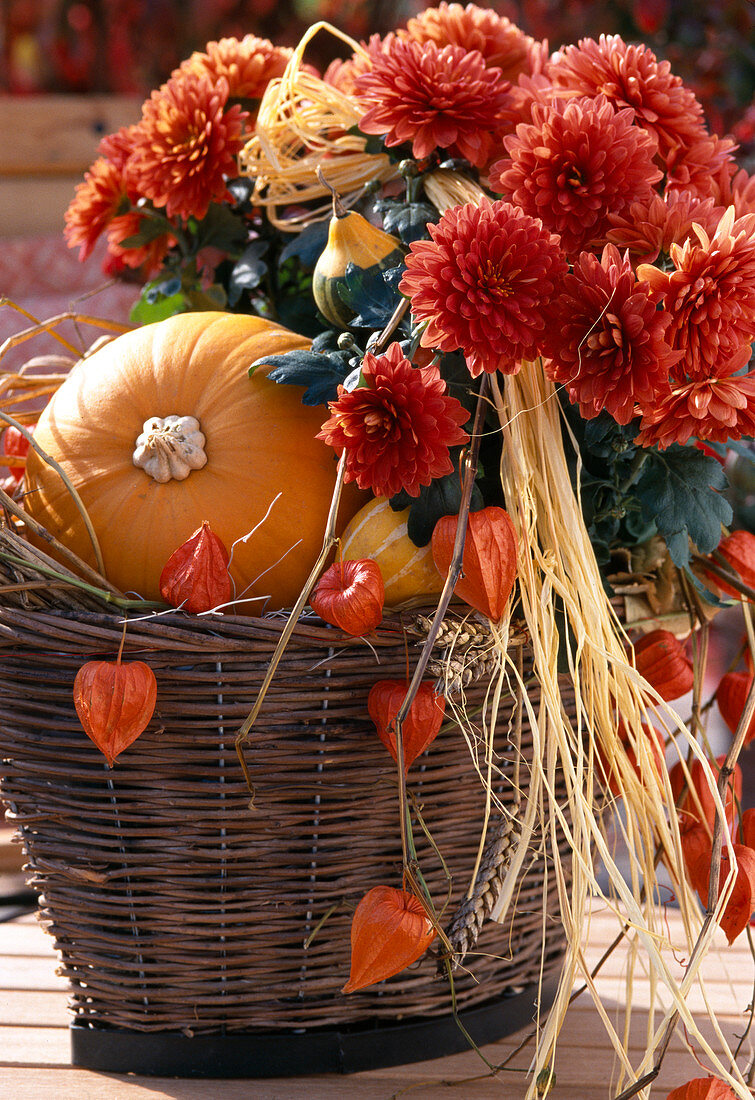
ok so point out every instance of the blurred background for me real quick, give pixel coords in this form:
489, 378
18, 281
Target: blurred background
126, 47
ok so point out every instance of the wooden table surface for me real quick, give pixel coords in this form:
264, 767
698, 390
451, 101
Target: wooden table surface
34, 1040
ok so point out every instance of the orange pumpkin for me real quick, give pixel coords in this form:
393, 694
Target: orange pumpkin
250, 440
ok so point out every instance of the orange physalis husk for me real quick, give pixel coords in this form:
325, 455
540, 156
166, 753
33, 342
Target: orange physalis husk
422, 723
731, 696
114, 701
488, 568
657, 755
350, 595
747, 828
661, 658
741, 903
703, 1088
738, 549
389, 932
697, 848
16, 445
195, 576
688, 805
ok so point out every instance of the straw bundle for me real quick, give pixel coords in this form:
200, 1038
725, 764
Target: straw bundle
558, 573
303, 125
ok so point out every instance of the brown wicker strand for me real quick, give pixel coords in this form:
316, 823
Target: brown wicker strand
176, 907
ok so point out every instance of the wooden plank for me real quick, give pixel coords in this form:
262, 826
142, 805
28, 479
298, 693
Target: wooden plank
29, 972
34, 1008
55, 135
35, 205
35, 1046
27, 939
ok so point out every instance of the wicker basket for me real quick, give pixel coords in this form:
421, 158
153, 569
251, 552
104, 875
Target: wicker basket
181, 910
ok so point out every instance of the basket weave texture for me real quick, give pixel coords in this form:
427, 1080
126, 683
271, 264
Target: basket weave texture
178, 906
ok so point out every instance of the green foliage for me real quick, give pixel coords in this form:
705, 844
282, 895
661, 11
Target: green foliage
630, 493
320, 369
407, 220
442, 497
372, 293
680, 489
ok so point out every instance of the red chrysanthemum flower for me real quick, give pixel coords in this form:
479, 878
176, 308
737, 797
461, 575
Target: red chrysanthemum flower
631, 76
434, 98
147, 256
342, 73
117, 147
97, 200
697, 166
577, 162
716, 408
248, 64
649, 228
606, 341
710, 293
736, 190
396, 429
186, 144
483, 284
527, 91
501, 43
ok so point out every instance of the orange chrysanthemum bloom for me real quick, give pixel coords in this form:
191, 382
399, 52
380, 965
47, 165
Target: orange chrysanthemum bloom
710, 293
342, 73
649, 228
397, 428
484, 283
577, 162
716, 408
523, 96
606, 339
148, 256
434, 98
736, 190
501, 42
631, 76
696, 167
117, 147
97, 200
186, 144
248, 64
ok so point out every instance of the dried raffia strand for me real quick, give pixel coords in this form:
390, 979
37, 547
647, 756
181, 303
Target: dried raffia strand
16, 510
50, 324
715, 902
302, 123
559, 562
7, 419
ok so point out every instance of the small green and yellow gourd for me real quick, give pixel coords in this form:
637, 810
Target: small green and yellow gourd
351, 240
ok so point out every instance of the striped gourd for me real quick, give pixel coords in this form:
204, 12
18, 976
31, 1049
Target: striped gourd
351, 240
377, 532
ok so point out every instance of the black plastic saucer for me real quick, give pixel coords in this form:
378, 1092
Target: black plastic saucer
291, 1054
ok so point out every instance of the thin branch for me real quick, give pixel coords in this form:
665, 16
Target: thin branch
470, 471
